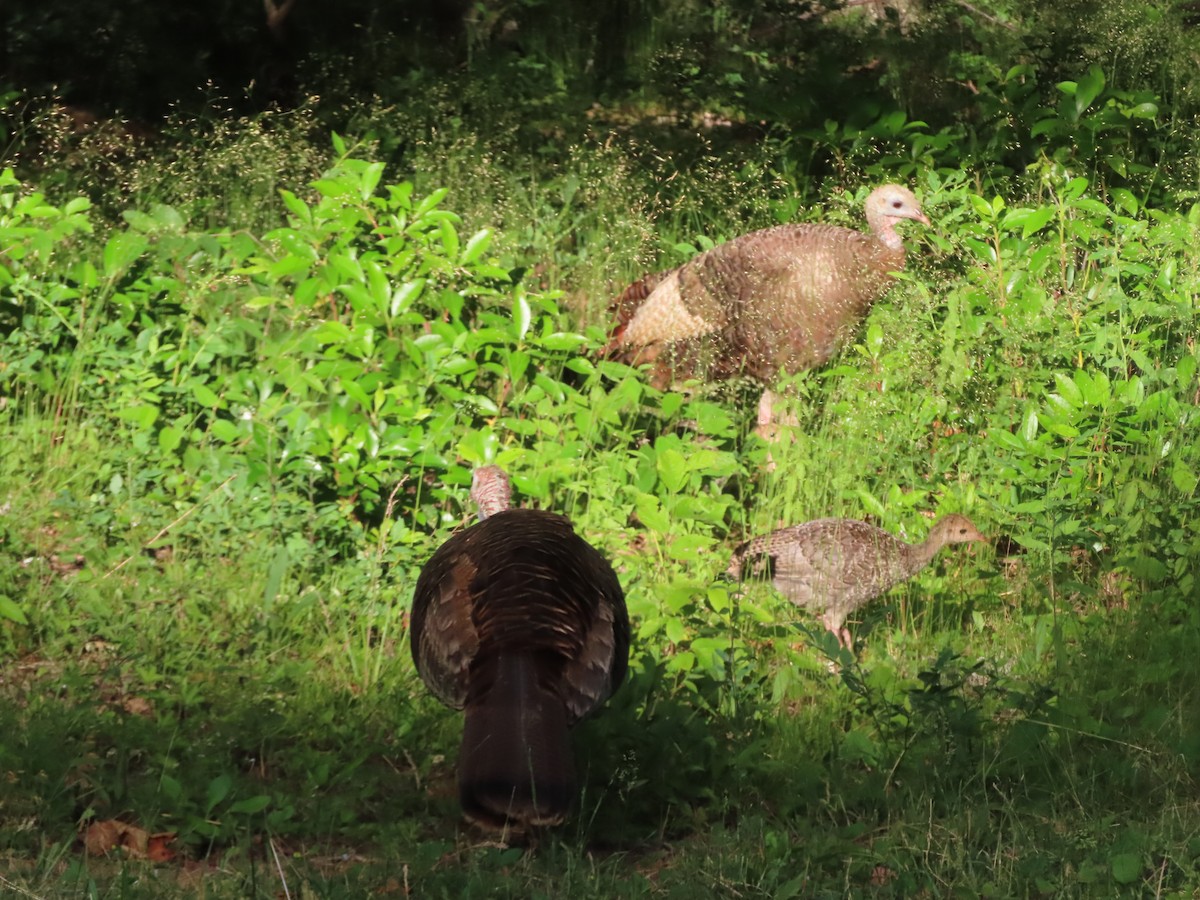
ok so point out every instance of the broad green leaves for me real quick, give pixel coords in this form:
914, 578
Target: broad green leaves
1084, 91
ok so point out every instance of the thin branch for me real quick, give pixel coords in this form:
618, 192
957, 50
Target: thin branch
279, 867
4, 882
162, 531
979, 12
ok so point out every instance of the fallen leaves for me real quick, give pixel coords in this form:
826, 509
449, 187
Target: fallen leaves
103, 837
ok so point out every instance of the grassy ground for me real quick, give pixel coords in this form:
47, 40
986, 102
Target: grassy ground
219, 654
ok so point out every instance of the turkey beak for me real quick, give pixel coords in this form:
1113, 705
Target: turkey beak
920, 217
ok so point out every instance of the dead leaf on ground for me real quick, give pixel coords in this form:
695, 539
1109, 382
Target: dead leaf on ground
61, 565
393, 886
138, 706
101, 838
881, 876
158, 849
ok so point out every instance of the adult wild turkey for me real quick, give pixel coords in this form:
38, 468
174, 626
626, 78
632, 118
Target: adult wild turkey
522, 623
835, 566
778, 299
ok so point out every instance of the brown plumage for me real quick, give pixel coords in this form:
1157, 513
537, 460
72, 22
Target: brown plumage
521, 623
778, 299
835, 566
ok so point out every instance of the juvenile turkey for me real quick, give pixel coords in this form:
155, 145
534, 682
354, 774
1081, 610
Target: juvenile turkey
522, 623
835, 566
778, 299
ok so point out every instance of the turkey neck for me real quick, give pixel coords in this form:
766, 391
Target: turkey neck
918, 556
885, 230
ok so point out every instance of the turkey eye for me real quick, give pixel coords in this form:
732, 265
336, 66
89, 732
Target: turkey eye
896, 204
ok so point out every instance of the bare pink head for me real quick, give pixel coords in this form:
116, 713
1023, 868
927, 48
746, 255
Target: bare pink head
889, 204
490, 490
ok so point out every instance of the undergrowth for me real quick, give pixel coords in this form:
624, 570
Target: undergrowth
228, 449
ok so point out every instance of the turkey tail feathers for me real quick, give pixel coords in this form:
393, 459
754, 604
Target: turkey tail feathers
515, 764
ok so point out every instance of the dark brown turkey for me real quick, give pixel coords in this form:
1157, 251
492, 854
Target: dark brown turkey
781, 299
521, 623
835, 566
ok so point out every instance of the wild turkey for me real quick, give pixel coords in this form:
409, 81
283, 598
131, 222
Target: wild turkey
778, 299
837, 565
522, 623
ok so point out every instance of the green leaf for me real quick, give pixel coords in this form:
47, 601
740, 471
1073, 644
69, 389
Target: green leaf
170, 438
331, 187
287, 265
334, 333
1030, 221
1075, 188
711, 418
870, 504
449, 238
563, 340
1125, 201
226, 431
170, 787
431, 201
144, 415
1068, 389
297, 207
982, 208
476, 246
857, 747
121, 251
1094, 207
370, 180
218, 790
1126, 867
1088, 88
9, 610
250, 805
709, 652
522, 314
689, 547
874, 339
650, 514
1029, 425
1185, 370
1062, 429
1095, 387
676, 631
168, 218
1183, 478
139, 221
406, 295
206, 397
518, 363
355, 391
81, 204
1006, 439
982, 249
672, 469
